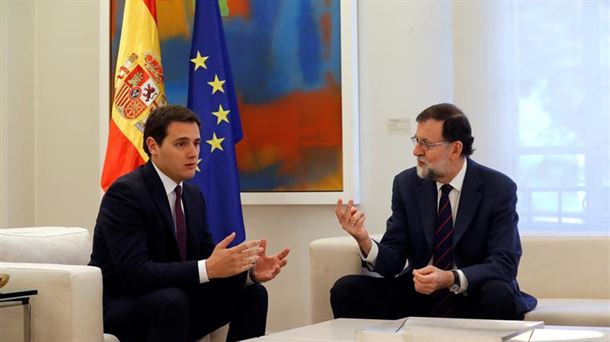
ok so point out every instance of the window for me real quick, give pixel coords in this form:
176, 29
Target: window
562, 80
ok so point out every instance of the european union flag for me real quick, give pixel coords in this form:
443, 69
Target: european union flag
211, 96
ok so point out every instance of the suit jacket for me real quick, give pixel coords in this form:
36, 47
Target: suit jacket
134, 242
486, 239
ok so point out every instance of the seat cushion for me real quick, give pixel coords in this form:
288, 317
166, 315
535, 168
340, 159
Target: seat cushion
56, 245
571, 311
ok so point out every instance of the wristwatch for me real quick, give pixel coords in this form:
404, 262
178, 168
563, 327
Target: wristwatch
252, 276
455, 288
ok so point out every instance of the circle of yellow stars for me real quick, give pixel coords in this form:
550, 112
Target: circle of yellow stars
199, 61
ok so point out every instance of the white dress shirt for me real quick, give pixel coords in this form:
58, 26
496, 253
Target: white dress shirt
454, 198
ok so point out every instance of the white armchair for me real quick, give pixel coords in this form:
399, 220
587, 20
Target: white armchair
68, 306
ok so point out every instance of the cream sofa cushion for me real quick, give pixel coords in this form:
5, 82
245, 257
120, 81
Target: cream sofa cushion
57, 245
572, 311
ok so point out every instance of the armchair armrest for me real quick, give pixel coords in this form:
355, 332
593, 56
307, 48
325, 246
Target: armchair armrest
68, 306
329, 260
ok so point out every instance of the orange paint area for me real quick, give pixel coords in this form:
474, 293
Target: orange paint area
239, 8
171, 19
299, 135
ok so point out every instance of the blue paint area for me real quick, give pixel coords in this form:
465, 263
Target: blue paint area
174, 91
286, 73
263, 179
334, 64
247, 50
173, 72
173, 50
279, 49
309, 54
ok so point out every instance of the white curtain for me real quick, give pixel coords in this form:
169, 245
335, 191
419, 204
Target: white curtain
534, 78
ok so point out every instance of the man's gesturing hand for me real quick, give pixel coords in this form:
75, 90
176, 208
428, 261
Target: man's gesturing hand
269, 266
429, 279
352, 221
225, 262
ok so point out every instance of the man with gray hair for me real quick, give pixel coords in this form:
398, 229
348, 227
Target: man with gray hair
454, 220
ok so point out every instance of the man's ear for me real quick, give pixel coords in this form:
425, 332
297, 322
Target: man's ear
457, 149
152, 145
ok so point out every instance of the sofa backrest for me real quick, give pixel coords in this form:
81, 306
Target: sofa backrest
51, 245
565, 266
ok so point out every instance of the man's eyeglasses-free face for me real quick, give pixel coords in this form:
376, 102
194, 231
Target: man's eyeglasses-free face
426, 145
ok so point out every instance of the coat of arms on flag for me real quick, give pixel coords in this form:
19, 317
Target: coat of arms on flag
138, 85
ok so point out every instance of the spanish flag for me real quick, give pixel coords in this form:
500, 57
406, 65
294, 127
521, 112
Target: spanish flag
138, 89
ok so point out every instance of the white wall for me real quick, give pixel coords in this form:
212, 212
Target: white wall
50, 123
17, 79
49, 113
67, 115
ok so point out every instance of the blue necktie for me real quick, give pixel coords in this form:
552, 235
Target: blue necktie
443, 252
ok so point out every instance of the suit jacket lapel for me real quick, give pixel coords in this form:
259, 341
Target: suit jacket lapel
469, 200
158, 195
427, 195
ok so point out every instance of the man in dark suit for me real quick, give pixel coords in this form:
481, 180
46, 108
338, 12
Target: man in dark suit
164, 279
455, 223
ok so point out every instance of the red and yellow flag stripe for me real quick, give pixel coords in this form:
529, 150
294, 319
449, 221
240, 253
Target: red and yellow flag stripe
138, 89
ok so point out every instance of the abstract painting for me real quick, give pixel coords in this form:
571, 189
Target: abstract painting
286, 57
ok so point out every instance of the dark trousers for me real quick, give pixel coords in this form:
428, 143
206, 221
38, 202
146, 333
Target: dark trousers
173, 314
358, 296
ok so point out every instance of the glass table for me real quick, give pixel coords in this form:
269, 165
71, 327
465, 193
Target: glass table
344, 330
20, 298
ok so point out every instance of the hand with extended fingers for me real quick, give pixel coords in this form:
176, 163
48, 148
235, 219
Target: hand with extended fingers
225, 262
352, 221
268, 267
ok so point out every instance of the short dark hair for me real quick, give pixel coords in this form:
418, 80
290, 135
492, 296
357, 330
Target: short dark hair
456, 126
161, 117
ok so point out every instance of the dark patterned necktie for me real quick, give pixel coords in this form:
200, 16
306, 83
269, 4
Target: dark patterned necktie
180, 223
443, 236
443, 252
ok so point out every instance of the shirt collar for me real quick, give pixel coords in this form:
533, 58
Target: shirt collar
458, 181
168, 183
